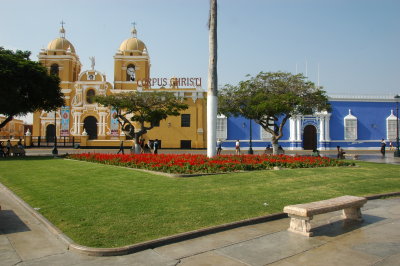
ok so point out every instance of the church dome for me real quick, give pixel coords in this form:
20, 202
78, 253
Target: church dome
60, 44
133, 44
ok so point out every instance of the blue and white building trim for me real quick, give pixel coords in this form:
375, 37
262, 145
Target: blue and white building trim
355, 122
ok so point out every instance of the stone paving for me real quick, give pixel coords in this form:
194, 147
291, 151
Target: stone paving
24, 240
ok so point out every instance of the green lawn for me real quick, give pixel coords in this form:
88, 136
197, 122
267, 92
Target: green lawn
106, 206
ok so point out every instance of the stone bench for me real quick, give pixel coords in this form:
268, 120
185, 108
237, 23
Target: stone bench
302, 214
353, 156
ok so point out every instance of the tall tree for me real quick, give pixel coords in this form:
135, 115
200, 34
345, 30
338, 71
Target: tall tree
25, 86
145, 108
270, 99
212, 94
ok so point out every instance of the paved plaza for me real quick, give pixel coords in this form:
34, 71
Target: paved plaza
25, 240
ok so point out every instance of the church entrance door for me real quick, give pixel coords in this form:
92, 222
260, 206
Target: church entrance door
90, 125
50, 133
310, 138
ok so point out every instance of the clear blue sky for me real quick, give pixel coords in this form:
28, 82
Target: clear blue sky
355, 42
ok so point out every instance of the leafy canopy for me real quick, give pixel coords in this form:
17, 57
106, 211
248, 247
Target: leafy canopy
142, 107
271, 98
25, 86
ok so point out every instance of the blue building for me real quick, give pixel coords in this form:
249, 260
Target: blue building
355, 122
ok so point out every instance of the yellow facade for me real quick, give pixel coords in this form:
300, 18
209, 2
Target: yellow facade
14, 128
81, 117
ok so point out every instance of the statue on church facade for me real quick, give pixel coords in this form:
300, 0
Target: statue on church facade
93, 61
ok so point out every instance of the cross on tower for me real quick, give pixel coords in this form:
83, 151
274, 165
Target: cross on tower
133, 31
62, 31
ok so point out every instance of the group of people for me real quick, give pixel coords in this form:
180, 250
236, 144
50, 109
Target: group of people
5, 150
219, 147
268, 149
151, 146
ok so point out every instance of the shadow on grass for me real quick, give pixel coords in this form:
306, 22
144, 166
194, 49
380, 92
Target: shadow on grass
344, 226
28, 158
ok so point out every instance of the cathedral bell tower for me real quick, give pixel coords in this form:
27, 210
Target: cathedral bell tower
61, 60
131, 64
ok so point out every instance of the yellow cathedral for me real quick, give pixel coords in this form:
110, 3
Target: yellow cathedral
82, 118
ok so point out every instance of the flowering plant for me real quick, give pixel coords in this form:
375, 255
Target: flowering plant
196, 163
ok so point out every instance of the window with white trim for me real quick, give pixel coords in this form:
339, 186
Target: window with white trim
265, 135
391, 123
350, 127
222, 128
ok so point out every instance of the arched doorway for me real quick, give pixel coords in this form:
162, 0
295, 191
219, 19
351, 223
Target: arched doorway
90, 125
310, 138
50, 133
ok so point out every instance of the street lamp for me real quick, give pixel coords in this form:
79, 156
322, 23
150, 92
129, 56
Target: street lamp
397, 152
250, 144
55, 151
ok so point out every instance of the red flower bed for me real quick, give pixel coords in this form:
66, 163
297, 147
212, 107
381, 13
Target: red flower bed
195, 163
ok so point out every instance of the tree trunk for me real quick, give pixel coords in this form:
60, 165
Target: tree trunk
4, 123
212, 98
275, 146
136, 144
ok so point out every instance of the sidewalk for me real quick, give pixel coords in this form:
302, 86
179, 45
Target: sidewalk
25, 240
375, 241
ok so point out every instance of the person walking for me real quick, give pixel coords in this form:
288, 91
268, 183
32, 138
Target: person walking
141, 143
8, 148
219, 147
383, 147
19, 144
340, 153
2, 153
121, 147
237, 147
155, 145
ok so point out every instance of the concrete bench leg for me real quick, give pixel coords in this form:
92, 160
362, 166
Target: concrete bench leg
300, 225
352, 214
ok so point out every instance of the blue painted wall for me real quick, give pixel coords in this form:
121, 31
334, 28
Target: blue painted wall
371, 123
371, 119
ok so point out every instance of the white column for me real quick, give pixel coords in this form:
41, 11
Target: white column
102, 124
78, 132
292, 124
327, 135
76, 123
298, 122
212, 102
322, 128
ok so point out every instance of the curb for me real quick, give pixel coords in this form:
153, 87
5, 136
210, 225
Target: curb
151, 244
384, 195
51, 227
